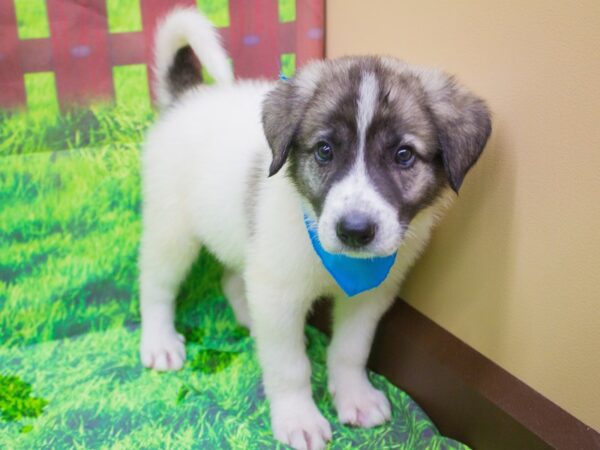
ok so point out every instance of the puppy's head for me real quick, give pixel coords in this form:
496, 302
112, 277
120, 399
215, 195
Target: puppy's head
369, 142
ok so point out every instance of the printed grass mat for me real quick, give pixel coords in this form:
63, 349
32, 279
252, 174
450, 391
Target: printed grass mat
70, 376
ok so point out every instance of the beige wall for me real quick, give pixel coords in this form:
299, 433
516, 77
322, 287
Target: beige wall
514, 268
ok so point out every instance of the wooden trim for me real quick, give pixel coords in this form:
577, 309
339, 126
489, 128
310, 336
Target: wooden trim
467, 396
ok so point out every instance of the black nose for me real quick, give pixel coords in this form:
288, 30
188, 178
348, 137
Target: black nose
355, 230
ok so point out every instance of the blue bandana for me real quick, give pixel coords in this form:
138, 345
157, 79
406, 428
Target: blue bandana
353, 275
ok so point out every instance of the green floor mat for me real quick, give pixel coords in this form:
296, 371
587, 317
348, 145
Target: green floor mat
70, 375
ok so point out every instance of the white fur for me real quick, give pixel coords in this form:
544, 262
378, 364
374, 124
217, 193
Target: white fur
196, 164
368, 92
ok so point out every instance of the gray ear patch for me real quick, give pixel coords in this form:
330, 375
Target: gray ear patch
463, 125
282, 112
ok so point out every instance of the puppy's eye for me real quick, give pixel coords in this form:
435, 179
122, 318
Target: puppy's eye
405, 156
323, 152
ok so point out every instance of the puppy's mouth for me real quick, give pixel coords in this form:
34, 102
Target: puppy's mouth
366, 253
339, 244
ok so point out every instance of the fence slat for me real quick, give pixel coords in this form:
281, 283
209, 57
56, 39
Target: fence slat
36, 55
79, 36
12, 86
310, 28
126, 48
254, 38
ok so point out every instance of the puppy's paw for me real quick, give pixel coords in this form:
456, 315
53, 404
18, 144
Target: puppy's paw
361, 405
162, 349
300, 425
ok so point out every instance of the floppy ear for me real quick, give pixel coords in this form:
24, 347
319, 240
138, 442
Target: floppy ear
282, 112
462, 121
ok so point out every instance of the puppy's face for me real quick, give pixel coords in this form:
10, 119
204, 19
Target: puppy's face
369, 143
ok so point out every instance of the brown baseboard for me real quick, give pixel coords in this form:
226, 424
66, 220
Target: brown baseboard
467, 396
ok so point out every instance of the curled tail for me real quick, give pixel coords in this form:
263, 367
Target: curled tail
184, 38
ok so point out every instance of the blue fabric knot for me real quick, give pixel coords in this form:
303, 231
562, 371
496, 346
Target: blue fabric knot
353, 275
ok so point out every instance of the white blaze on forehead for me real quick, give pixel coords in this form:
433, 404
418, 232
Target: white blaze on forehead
368, 93
356, 191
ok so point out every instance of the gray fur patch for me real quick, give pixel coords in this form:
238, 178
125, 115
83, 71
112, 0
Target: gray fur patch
184, 73
445, 125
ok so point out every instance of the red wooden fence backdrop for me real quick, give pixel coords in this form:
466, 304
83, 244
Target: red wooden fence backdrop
81, 51
12, 89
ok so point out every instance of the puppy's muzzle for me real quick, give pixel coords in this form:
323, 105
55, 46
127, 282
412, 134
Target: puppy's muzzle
356, 230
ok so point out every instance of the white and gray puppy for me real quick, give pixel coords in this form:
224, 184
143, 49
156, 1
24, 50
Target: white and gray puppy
370, 148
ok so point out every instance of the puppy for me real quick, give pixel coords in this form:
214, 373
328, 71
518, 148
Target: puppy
364, 151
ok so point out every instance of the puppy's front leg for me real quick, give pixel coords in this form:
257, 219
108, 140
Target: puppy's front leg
355, 320
278, 314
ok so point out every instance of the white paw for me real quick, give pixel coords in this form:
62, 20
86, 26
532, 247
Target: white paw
300, 425
361, 405
162, 349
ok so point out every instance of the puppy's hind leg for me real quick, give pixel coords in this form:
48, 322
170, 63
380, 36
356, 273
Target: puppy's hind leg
235, 291
167, 251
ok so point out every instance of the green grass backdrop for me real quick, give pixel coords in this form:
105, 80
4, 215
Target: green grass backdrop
70, 375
